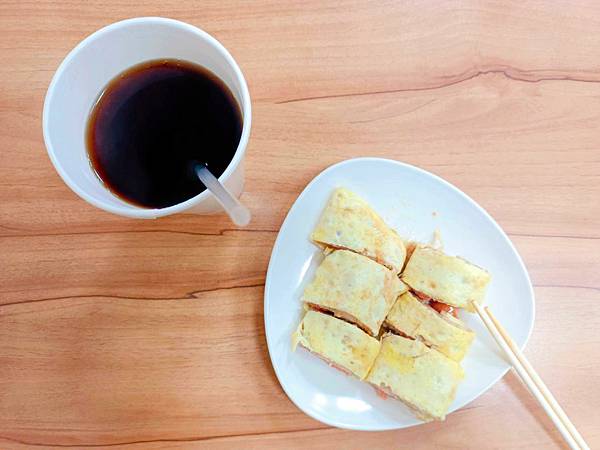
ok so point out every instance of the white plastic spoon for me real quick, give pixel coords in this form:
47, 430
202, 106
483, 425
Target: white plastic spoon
239, 214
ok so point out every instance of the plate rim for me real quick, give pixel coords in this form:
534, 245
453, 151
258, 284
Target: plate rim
266, 297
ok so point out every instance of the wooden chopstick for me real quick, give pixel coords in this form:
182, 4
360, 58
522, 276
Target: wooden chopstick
532, 380
538, 382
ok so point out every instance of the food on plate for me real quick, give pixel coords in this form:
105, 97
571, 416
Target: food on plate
348, 222
371, 283
339, 343
447, 279
354, 288
421, 377
417, 320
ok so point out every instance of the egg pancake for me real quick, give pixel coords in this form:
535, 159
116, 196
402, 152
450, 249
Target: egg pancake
348, 222
354, 288
443, 332
419, 376
339, 343
447, 279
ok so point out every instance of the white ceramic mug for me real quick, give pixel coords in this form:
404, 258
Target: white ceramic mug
90, 66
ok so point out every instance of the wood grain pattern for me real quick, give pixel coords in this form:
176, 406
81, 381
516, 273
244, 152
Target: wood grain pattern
149, 334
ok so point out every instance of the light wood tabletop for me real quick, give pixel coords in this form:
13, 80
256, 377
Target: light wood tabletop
149, 334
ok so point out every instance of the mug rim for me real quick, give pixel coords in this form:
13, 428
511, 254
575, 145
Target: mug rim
132, 210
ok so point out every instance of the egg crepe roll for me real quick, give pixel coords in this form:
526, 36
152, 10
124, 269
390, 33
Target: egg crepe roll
419, 376
354, 288
339, 343
348, 222
447, 279
443, 332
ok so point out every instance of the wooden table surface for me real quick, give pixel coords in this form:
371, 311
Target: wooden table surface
149, 334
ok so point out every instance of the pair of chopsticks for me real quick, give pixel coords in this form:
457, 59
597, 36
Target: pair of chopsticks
532, 380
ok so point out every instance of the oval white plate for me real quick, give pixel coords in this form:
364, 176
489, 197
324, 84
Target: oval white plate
415, 203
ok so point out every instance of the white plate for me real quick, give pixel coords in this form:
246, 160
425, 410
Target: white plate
415, 203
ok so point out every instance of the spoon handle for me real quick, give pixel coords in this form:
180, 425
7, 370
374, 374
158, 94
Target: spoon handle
239, 214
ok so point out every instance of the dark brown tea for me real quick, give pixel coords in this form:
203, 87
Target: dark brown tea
153, 123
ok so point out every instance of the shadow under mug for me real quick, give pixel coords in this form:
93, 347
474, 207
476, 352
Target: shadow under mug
92, 64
